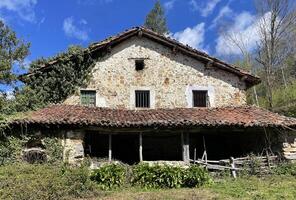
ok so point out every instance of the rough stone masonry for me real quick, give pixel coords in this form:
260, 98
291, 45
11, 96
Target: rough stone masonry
169, 76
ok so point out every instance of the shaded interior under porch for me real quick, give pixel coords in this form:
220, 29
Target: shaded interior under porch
132, 147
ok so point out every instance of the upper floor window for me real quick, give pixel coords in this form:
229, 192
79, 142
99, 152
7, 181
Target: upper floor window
200, 98
139, 64
88, 97
142, 98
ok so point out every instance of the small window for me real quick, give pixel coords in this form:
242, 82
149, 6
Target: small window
139, 64
200, 98
88, 97
142, 98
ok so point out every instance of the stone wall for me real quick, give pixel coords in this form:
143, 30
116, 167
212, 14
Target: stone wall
73, 147
169, 77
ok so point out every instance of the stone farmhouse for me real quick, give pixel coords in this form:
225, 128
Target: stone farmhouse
152, 98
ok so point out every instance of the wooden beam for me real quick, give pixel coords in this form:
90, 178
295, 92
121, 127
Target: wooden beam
140, 147
209, 64
243, 78
140, 33
110, 148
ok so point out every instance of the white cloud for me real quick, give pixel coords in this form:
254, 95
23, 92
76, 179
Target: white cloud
24, 8
72, 30
245, 30
193, 37
224, 12
7, 94
204, 9
83, 21
169, 5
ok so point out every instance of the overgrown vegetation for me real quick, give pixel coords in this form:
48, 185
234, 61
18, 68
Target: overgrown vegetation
109, 176
285, 168
11, 148
25, 181
169, 177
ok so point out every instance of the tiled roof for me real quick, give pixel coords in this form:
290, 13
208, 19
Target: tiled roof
245, 116
200, 55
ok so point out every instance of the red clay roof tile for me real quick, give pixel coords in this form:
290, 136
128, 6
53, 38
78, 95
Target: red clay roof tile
245, 116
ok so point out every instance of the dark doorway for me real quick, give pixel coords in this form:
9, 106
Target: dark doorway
125, 148
96, 144
223, 145
162, 146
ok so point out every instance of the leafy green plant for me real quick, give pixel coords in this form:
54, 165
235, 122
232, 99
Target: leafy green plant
196, 176
286, 168
11, 149
109, 176
54, 149
169, 177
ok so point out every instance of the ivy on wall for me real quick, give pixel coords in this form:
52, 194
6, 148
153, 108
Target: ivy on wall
71, 70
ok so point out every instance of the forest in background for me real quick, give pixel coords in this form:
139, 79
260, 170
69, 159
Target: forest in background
273, 60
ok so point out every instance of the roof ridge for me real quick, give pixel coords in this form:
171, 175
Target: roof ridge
198, 54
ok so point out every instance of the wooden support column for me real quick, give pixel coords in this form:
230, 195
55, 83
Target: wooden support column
110, 148
185, 146
140, 147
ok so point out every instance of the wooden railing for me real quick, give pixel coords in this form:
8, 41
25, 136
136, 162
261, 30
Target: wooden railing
234, 165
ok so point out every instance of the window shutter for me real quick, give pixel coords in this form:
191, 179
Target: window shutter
88, 97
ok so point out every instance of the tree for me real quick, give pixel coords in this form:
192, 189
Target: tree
12, 51
155, 20
276, 25
239, 41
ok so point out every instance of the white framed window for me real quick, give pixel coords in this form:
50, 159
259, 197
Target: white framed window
88, 97
142, 97
200, 96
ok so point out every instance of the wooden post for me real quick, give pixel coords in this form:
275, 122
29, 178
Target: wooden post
140, 147
233, 172
182, 146
185, 146
110, 147
267, 157
194, 156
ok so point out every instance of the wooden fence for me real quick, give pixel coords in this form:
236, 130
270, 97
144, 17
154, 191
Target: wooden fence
251, 164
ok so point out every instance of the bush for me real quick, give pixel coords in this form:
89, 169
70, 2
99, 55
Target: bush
25, 181
109, 176
54, 150
11, 149
196, 176
169, 177
286, 168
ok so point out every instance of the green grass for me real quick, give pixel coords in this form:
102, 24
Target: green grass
24, 181
271, 187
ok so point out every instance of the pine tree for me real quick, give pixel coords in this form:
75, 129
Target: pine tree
156, 20
12, 51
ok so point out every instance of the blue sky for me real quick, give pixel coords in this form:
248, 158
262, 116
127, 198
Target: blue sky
52, 25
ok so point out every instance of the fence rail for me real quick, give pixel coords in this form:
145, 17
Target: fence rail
264, 163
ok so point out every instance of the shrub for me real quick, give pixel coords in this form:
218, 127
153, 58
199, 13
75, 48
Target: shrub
54, 150
285, 168
196, 176
109, 176
26, 181
11, 149
169, 177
